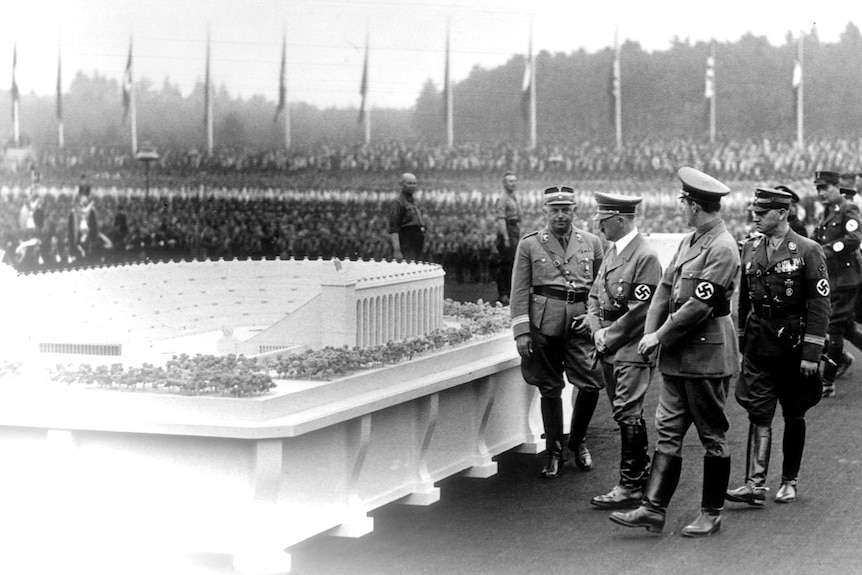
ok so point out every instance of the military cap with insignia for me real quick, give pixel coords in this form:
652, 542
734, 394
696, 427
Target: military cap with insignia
826, 178
847, 192
766, 199
559, 195
794, 197
700, 187
608, 205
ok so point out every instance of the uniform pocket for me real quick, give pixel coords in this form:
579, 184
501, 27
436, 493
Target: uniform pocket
538, 303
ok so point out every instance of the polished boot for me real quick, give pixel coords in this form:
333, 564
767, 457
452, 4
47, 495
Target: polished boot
660, 487
716, 473
582, 413
634, 468
756, 467
844, 365
830, 371
793, 446
552, 417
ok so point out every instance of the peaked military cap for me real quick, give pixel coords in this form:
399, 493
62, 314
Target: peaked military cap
847, 192
826, 178
700, 187
794, 197
766, 199
608, 205
559, 195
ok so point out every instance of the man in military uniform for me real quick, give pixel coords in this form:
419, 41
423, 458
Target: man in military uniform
839, 234
618, 305
553, 272
406, 228
783, 315
507, 212
689, 318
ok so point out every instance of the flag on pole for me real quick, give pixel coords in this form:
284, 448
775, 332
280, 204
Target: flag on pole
614, 88
282, 85
207, 88
128, 85
527, 82
59, 88
363, 87
447, 99
709, 93
15, 97
796, 81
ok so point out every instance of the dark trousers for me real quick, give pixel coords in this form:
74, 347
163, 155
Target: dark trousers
412, 241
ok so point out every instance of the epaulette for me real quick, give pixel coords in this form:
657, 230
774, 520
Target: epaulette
531, 234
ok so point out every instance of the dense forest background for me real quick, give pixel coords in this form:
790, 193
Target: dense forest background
662, 98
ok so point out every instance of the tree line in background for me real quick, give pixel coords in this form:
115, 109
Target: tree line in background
662, 97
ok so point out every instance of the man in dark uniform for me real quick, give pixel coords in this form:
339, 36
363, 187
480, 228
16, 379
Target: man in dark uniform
793, 215
618, 305
553, 272
783, 315
507, 212
689, 317
406, 227
847, 187
839, 234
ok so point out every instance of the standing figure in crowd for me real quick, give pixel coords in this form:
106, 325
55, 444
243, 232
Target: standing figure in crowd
839, 234
406, 228
83, 226
618, 305
783, 315
553, 273
793, 218
507, 212
31, 219
690, 318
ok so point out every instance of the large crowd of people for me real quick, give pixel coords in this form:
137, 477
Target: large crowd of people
731, 160
331, 200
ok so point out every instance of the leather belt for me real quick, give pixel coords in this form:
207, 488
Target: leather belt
568, 296
769, 311
611, 314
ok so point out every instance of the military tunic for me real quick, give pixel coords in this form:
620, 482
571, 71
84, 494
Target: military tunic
783, 316
840, 235
549, 290
405, 219
690, 315
618, 302
508, 210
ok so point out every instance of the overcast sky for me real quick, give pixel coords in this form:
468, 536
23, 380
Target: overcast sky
326, 38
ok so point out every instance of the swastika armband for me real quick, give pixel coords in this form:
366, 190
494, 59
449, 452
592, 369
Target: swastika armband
708, 292
818, 287
641, 292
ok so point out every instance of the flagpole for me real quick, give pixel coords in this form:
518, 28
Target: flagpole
133, 108
618, 104
282, 92
713, 92
60, 135
16, 117
800, 116
450, 124
532, 92
364, 107
208, 100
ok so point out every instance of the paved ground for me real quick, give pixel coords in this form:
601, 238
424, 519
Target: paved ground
515, 522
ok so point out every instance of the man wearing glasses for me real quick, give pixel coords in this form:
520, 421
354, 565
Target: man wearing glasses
839, 233
552, 275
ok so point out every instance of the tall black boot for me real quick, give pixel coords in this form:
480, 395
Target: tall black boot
756, 467
634, 468
793, 446
716, 473
582, 414
662, 483
552, 417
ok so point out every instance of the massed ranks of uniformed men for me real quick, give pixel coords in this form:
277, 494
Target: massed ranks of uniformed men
618, 305
689, 317
552, 275
839, 233
783, 314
